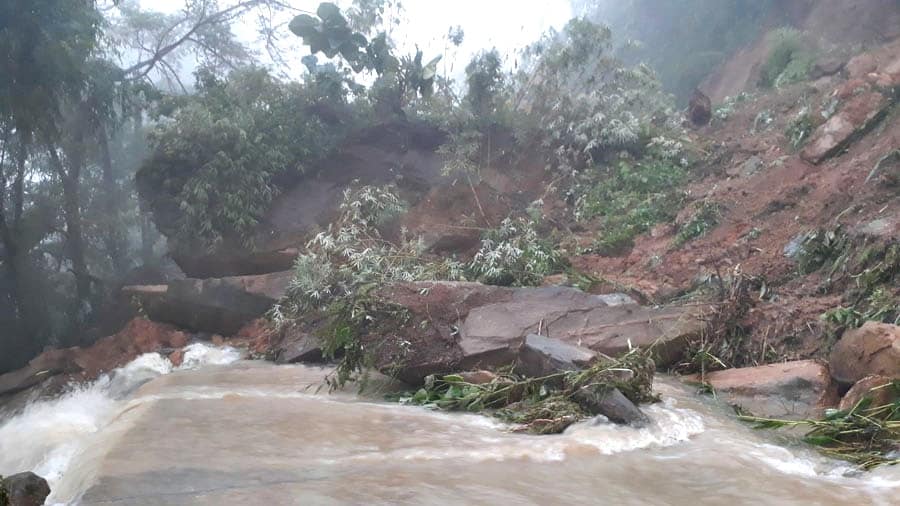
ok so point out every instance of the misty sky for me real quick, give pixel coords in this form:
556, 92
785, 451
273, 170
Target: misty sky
507, 24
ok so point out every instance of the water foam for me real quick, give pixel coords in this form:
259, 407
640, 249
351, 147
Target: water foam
48, 436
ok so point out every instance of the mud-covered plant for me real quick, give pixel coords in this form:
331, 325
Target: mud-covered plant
545, 405
866, 434
822, 248
706, 216
799, 129
515, 254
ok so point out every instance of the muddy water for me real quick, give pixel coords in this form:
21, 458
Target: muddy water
250, 433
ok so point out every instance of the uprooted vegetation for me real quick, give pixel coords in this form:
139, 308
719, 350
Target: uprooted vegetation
867, 434
544, 405
864, 271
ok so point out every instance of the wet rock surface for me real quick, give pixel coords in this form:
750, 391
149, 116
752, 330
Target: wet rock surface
873, 349
790, 390
877, 388
25, 489
464, 326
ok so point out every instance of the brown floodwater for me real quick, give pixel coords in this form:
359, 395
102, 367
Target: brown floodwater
253, 433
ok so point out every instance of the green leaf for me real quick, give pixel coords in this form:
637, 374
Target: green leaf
330, 13
303, 25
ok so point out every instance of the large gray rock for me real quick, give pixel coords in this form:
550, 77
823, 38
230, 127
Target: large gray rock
456, 326
219, 305
541, 356
857, 116
790, 390
26, 489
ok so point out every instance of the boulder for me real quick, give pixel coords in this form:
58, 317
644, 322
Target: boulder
826, 66
875, 387
856, 116
26, 489
218, 305
700, 108
790, 390
454, 326
611, 403
297, 346
541, 356
861, 65
608, 324
873, 349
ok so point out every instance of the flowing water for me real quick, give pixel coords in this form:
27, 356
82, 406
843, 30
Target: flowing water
221, 431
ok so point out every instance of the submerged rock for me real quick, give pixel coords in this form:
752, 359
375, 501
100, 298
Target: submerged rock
26, 489
611, 403
790, 390
873, 349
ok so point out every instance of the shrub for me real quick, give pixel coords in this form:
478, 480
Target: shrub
514, 254
789, 58
212, 171
629, 200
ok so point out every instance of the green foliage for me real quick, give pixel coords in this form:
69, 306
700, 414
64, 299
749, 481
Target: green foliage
629, 199
486, 82
4, 495
341, 266
866, 434
515, 255
583, 104
330, 33
706, 216
789, 60
44, 46
219, 155
545, 405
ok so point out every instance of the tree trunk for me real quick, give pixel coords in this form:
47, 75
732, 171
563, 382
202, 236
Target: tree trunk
113, 239
72, 211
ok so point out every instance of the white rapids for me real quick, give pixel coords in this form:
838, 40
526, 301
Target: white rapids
219, 430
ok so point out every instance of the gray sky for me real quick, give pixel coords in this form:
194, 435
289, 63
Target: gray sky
507, 24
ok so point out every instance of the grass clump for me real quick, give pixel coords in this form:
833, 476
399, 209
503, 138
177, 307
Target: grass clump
706, 216
789, 61
629, 200
866, 435
545, 405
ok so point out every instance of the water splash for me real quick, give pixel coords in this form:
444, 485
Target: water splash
47, 436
